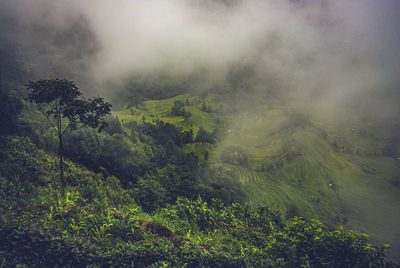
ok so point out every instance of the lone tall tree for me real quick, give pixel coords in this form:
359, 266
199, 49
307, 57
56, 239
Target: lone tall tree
61, 102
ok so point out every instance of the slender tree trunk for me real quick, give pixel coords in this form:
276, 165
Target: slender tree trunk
61, 162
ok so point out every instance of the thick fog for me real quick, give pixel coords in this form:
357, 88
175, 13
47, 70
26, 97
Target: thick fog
336, 52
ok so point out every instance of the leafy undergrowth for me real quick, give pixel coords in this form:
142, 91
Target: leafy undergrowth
72, 230
97, 223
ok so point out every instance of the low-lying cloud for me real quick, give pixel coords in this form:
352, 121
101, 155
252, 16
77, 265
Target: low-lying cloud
334, 51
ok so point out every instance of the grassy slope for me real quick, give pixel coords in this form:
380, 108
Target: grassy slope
161, 110
331, 170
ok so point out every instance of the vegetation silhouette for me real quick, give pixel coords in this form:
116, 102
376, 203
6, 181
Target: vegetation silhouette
61, 102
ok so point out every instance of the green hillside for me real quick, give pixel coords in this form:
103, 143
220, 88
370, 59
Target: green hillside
161, 110
199, 133
310, 166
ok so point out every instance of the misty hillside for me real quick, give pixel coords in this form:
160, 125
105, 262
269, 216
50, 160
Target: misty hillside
294, 162
241, 133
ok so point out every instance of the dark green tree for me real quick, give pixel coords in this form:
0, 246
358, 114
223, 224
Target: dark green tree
204, 136
61, 102
179, 109
10, 108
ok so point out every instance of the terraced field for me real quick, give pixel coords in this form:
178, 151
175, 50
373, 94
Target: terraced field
295, 162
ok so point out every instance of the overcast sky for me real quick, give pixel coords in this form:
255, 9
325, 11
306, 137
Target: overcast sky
336, 49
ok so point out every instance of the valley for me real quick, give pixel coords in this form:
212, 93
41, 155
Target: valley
299, 165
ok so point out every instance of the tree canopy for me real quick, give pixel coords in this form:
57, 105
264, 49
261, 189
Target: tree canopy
62, 103
61, 99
